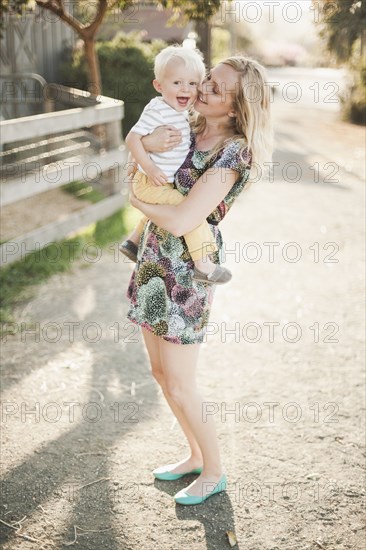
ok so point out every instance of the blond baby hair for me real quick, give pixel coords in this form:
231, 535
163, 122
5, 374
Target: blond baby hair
191, 58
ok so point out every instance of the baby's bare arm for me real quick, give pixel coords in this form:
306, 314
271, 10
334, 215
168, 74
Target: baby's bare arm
136, 148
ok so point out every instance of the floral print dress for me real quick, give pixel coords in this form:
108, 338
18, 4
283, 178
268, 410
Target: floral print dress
163, 297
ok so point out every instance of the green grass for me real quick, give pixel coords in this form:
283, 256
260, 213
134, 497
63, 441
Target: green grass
18, 281
84, 191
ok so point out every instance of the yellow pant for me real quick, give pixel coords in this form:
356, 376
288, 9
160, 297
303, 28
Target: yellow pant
200, 241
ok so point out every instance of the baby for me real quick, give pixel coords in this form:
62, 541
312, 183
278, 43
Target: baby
178, 72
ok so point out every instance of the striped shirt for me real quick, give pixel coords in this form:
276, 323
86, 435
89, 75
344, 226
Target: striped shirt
157, 113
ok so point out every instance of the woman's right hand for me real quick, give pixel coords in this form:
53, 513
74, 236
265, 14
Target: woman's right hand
162, 139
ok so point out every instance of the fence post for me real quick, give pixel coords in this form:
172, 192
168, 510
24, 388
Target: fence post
112, 179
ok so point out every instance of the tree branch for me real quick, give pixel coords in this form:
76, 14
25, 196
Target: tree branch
57, 7
90, 30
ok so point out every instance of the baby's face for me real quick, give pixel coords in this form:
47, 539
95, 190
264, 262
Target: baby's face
179, 85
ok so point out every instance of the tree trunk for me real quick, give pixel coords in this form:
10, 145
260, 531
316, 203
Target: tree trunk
95, 83
87, 34
203, 29
94, 80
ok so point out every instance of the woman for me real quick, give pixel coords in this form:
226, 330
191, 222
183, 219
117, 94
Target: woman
232, 131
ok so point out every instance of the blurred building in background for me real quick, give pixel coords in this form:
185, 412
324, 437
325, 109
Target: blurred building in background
147, 17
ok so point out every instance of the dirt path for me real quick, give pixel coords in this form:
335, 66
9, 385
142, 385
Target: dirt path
282, 372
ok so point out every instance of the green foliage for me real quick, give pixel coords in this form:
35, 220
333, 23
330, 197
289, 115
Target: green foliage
343, 23
126, 65
192, 9
354, 100
84, 11
10, 7
82, 190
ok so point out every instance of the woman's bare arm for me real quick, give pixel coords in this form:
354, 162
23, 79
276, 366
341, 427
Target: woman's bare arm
130, 165
209, 190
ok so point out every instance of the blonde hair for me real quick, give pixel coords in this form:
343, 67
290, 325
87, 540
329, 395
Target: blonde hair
192, 59
252, 123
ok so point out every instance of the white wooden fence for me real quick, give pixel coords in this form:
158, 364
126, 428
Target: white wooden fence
35, 41
56, 148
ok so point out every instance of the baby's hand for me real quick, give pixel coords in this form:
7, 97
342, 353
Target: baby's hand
156, 176
162, 139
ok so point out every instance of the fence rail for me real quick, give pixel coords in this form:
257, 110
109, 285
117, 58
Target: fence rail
42, 152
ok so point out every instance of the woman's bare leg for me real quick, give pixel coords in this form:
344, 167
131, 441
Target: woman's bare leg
195, 459
179, 365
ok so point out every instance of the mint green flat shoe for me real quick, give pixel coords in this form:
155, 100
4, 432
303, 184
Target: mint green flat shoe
183, 497
161, 473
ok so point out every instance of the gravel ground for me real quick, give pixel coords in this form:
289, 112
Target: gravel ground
282, 372
22, 216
